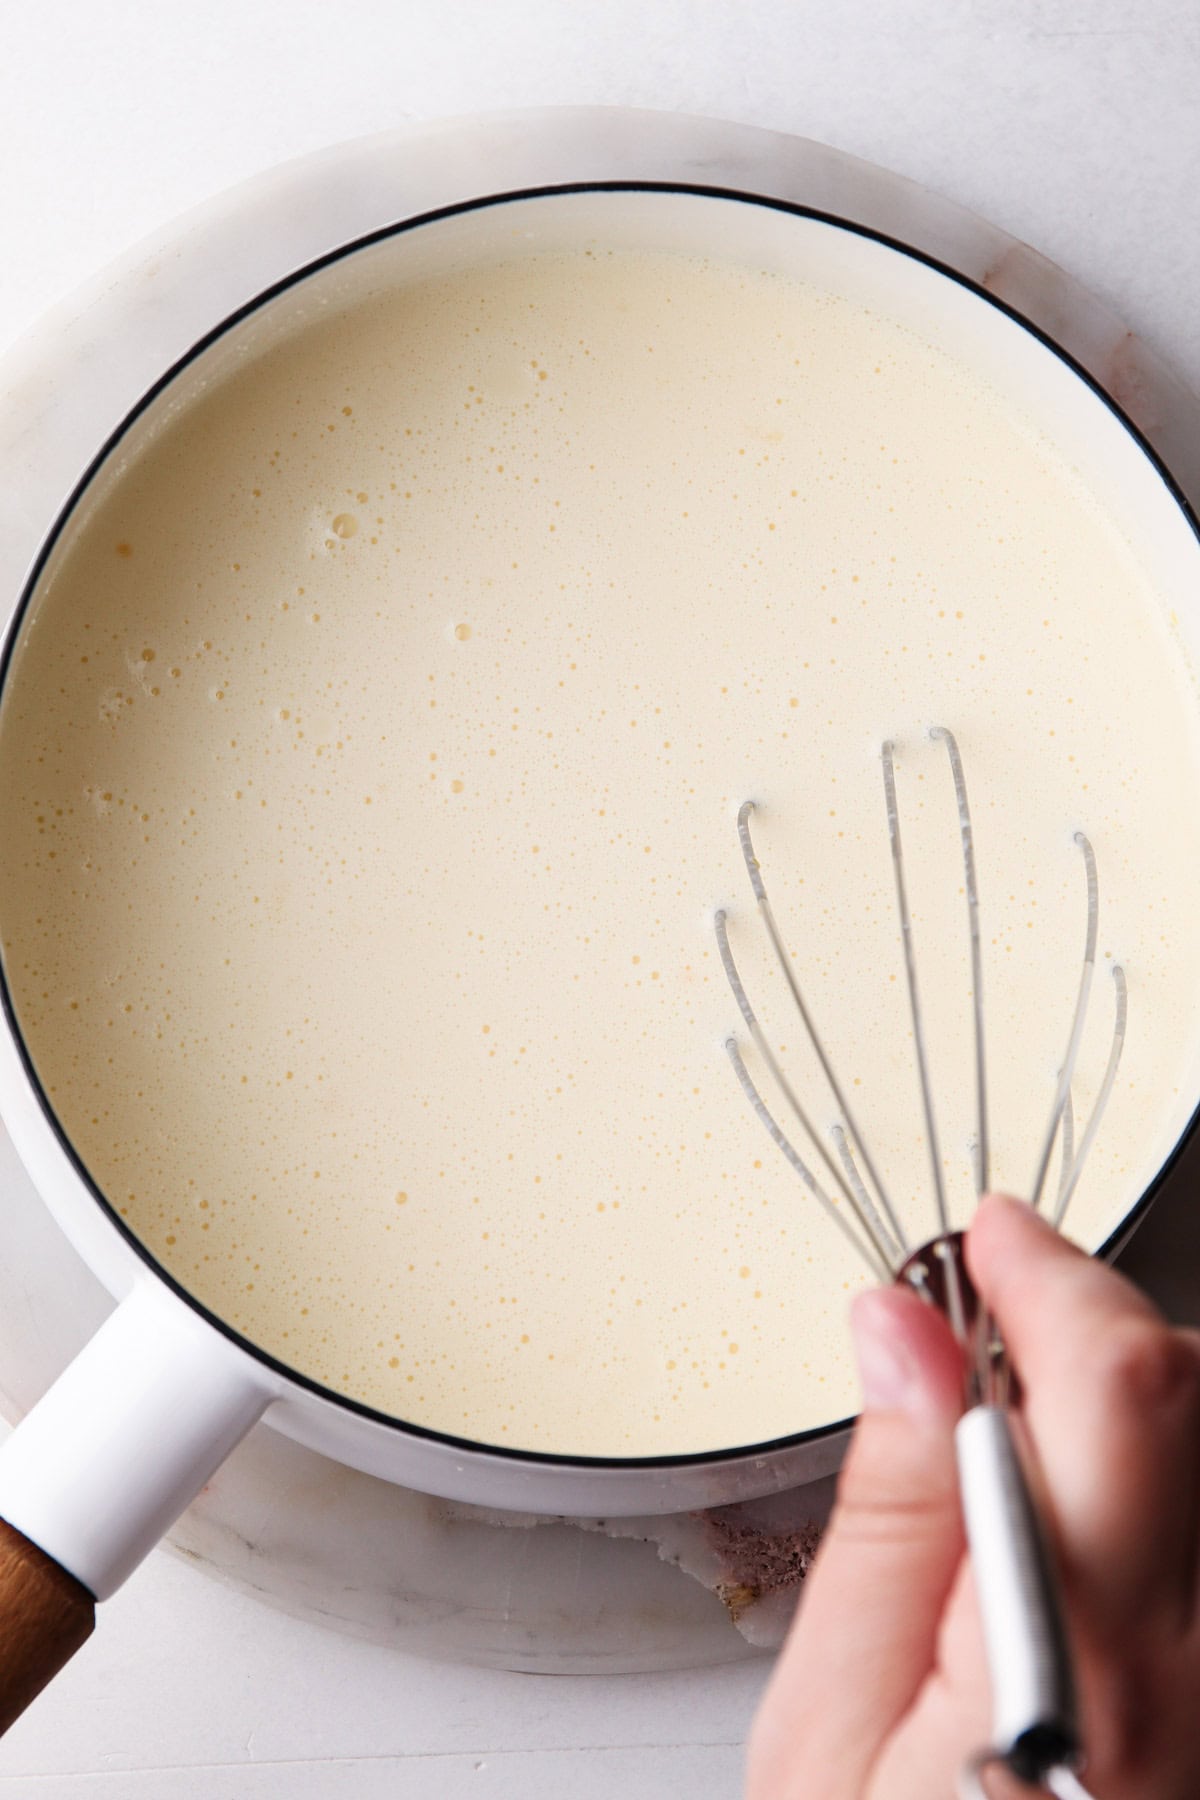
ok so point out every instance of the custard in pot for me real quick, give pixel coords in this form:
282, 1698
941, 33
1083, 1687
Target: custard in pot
369, 764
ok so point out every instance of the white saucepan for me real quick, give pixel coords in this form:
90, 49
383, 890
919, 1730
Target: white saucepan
130, 1432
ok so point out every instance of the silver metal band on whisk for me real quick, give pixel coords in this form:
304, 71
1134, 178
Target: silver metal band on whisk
1063, 1783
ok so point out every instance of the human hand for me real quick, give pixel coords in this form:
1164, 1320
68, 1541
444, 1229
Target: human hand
881, 1692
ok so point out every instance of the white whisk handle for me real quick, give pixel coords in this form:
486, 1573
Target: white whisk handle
1033, 1689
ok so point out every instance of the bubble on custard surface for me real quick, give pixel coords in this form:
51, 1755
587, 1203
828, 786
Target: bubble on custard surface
345, 525
462, 633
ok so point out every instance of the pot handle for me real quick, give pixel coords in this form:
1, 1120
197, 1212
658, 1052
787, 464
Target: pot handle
45, 1616
101, 1467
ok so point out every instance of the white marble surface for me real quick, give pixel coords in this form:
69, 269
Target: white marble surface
1073, 125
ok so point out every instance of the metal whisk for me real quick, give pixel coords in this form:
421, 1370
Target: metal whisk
1035, 1732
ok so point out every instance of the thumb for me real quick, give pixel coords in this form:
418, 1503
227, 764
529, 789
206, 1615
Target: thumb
866, 1636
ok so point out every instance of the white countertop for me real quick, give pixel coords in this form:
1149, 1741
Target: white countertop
1072, 123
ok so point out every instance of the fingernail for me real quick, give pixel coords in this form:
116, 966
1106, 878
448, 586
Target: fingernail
886, 1368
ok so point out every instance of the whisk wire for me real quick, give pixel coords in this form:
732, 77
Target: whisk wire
884, 1249
881, 1267
1073, 1166
1067, 1071
883, 1242
861, 1194
1067, 1147
914, 1002
784, 961
982, 1149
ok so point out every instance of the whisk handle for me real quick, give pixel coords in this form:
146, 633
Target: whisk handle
1033, 1689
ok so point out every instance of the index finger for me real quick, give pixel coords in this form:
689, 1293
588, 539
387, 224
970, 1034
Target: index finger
1112, 1399
1044, 1290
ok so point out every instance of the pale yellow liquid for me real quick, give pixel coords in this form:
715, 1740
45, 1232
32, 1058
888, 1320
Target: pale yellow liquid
369, 774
